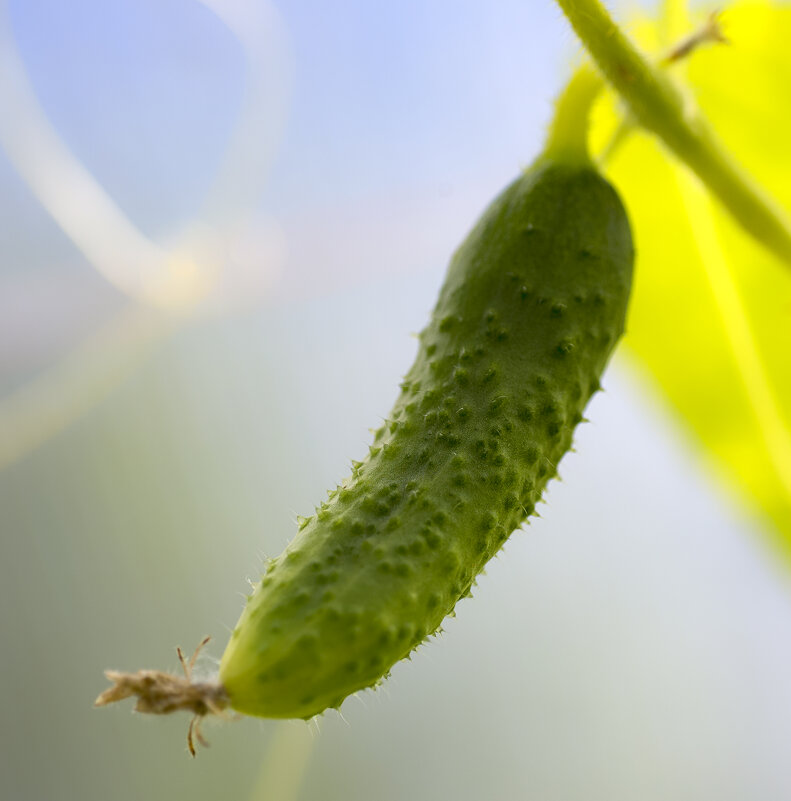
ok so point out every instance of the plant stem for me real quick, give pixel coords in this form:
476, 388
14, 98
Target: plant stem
567, 141
660, 107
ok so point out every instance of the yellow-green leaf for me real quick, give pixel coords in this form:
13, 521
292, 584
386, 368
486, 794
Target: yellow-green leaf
711, 313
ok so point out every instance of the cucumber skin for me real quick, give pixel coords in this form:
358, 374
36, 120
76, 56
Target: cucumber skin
532, 305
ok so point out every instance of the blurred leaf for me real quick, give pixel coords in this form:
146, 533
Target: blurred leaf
711, 312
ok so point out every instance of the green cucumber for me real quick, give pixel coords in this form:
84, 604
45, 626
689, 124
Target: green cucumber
533, 304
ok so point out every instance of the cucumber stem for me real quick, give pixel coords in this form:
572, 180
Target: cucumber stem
567, 141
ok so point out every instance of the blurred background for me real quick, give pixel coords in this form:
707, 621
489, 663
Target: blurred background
220, 221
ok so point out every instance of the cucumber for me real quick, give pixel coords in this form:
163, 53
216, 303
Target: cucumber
533, 303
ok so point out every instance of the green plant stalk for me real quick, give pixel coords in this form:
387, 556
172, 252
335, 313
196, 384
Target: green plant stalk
567, 139
661, 107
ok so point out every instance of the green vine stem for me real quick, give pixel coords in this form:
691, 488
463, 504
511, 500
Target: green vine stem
661, 107
567, 140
